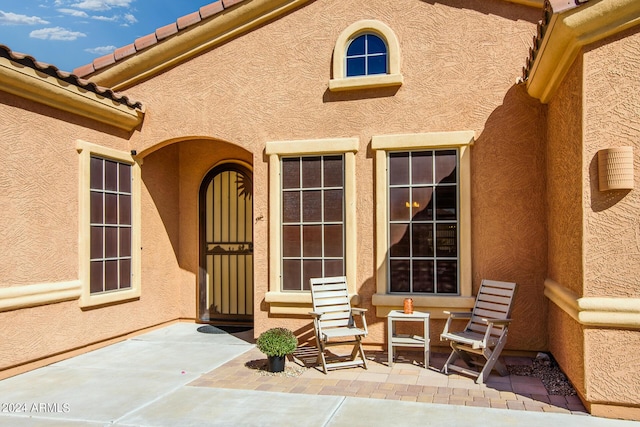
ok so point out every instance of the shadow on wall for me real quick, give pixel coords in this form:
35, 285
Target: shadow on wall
508, 206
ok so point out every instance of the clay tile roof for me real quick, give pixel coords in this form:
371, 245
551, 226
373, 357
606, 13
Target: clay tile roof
71, 78
181, 24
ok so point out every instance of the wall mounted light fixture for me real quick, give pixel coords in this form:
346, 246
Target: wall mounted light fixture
615, 168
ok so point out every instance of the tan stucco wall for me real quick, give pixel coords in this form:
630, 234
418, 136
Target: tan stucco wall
612, 219
564, 199
612, 119
271, 84
593, 245
39, 180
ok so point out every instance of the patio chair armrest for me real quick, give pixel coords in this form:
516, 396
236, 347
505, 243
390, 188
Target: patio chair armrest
315, 314
458, 314
496, 321
452, 316
361, 312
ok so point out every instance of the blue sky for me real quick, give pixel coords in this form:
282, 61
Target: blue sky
71, 33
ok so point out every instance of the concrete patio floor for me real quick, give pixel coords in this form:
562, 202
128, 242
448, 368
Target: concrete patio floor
177, 376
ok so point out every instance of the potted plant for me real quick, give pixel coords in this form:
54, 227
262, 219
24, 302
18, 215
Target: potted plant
276, 343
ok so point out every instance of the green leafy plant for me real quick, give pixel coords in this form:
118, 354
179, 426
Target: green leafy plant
277, 342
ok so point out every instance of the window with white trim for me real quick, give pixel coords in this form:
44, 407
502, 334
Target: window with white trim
312, 219
423, 222
110, 214
366, 55
111, 211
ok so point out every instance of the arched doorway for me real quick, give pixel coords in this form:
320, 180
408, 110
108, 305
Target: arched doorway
225, 292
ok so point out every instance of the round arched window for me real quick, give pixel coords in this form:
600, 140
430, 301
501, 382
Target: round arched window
366, 55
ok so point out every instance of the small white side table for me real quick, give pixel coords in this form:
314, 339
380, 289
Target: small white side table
405, 340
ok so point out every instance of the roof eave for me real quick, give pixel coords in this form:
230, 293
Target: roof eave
568, 32
39, 87
191, 42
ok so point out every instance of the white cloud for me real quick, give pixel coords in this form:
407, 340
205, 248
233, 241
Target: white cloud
56, 33
105, 18
101, 50
8, 18
130, 19
102, 4
73, 12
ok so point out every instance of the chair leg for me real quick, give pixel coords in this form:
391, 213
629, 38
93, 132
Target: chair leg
358, 349
493, 362
450, 361
321, 359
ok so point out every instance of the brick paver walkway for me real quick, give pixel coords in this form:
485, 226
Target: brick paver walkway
405, 381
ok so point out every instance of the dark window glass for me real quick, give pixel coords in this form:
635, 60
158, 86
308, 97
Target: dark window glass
423, 276
398, 168
291, 240
312, 206
97, 208
366, 55
291, 270
333, 173
110, 175
125, 242
291, 173
356, 67
97, 245
333, 267
125, 273
447, 272
311, 268
97, 175
333, 205
422, 168
125, 178
291, 206
312, 221
333, 246
312, 241
110, 242
110, 208
311, 172
356, 47
399, 204
423, 222
125, 209
377, 64
110, 216
97, 276
111, 275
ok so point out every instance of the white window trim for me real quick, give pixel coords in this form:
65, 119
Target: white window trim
341, 82
87, 300
382, 145
292, 302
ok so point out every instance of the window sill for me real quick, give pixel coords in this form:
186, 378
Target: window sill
297, 303
108, 298
436, 305
365, 82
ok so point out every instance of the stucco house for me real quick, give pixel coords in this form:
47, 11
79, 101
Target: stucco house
206, 171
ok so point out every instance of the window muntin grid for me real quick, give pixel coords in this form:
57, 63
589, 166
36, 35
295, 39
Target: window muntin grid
366, 55
110, 225
423, 226
312, 219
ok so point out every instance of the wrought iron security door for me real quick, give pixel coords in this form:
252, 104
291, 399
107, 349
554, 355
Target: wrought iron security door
226, 254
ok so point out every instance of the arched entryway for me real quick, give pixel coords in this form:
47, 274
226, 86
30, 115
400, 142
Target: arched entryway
225, 292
